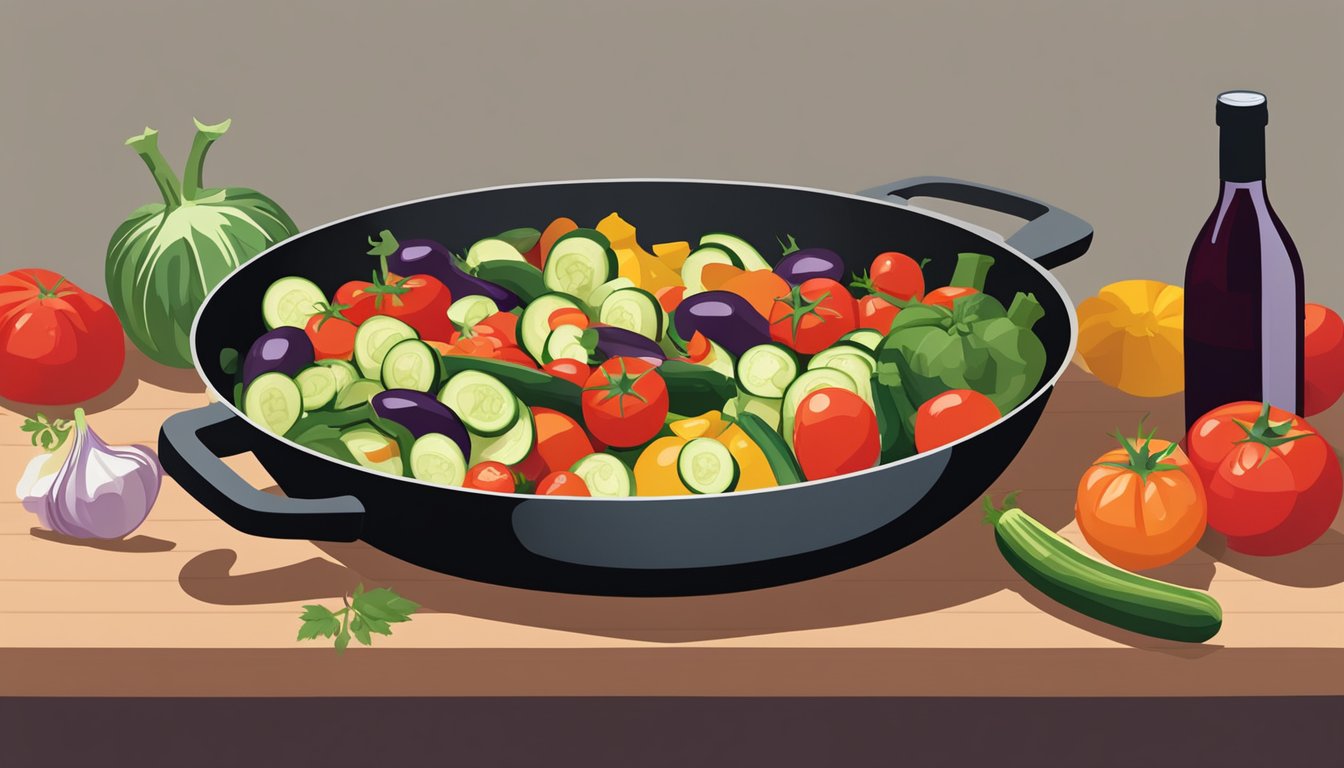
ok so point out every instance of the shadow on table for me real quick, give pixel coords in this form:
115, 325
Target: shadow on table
139, 543
137, 369
1319, 565
956, 564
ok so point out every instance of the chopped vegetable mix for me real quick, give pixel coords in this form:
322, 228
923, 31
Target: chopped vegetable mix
569, 360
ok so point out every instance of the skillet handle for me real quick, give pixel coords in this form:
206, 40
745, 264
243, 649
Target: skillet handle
190, 446
1052, 236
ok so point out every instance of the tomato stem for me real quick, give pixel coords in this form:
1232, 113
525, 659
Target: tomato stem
1268, 433
1142, 461
790, 247
800, 307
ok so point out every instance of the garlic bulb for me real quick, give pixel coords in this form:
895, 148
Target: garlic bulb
86, 488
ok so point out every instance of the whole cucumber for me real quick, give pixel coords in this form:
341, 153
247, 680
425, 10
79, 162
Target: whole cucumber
1106, 593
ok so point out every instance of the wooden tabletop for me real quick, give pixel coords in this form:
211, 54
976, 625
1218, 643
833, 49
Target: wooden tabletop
187, 606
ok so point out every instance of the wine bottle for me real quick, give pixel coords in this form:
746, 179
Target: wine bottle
1243, 280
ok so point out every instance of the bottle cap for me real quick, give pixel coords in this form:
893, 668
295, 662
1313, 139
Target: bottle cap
1242, 108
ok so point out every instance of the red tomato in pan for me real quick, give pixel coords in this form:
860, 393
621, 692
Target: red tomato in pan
834, 433
876, 313
562, 484
947, 296
332, 333
813, 316
58, 344
1273, 483
952, 415
420, 301
490, 476
560, 443
569, 370
625, 402
897, 274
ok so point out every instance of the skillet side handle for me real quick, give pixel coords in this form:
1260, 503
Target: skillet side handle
1052, 236
190, 446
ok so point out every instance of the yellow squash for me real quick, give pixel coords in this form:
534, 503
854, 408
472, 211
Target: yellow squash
633, 262
753, 468
656, 469
1131, 336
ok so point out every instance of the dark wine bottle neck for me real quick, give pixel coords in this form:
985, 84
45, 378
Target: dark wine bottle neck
1241, 153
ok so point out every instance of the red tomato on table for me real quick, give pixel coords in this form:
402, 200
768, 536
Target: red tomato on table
813, 316
58, 344
625, 402
1273, 483
1323, 363
950, 416
420, 301
834, 433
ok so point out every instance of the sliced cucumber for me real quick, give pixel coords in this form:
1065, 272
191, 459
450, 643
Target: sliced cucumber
375, 338
485, 406
373, 449
705, 465
805, 385
438, 459
601, 292
698, 260
510, 447
290, 301
605, 475
274, 402
565, 343
766, 370
856, 362
579, 262
491, 249
470, 310
519, 277
412, 364
633, 309
356, 393
535, 324
342, 371
749, 257
317, 384
864, 337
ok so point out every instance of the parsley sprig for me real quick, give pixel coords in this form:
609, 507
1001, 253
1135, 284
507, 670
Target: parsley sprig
364, 614
47, 435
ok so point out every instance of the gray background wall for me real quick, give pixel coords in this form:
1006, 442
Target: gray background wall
338, 107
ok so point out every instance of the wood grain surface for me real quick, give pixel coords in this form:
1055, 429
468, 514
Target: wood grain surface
189, 606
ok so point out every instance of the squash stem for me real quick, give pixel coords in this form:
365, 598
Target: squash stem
147, 146
205, 136
971, 270
1025, 310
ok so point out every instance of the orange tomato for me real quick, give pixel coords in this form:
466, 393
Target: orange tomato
1142, 505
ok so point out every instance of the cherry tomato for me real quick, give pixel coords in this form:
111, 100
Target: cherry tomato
876, 313
501, 325
814, 315
1272, 481
669, 297
951, 416
560, 440
562, 484
516, 356
568, 316
897, 274
332, 334
1323, 363
1141, 505
698, 348
490, 476
834, 433
420, 301
625, 402
946, 296
58, 344
569, 370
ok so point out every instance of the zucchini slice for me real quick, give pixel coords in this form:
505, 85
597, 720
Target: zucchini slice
510, 447
437, 459
470, 310
698, 260
705, 465
485, 406
274, 402
534, 326
356, 393
565, 342
633, 309
491, 249
766, 370
290, 301
317, 384
578, 263
412, 364
375, 338
749, 257
605, 475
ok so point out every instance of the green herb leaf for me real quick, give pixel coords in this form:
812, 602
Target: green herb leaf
342, 640
360, 631
318, 620
383, 603
47, 435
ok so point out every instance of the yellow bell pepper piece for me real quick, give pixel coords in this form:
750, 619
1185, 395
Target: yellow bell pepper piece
656, 469
753, 468
673, 255
627, 266
617, 230
708, 424
1131, 336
